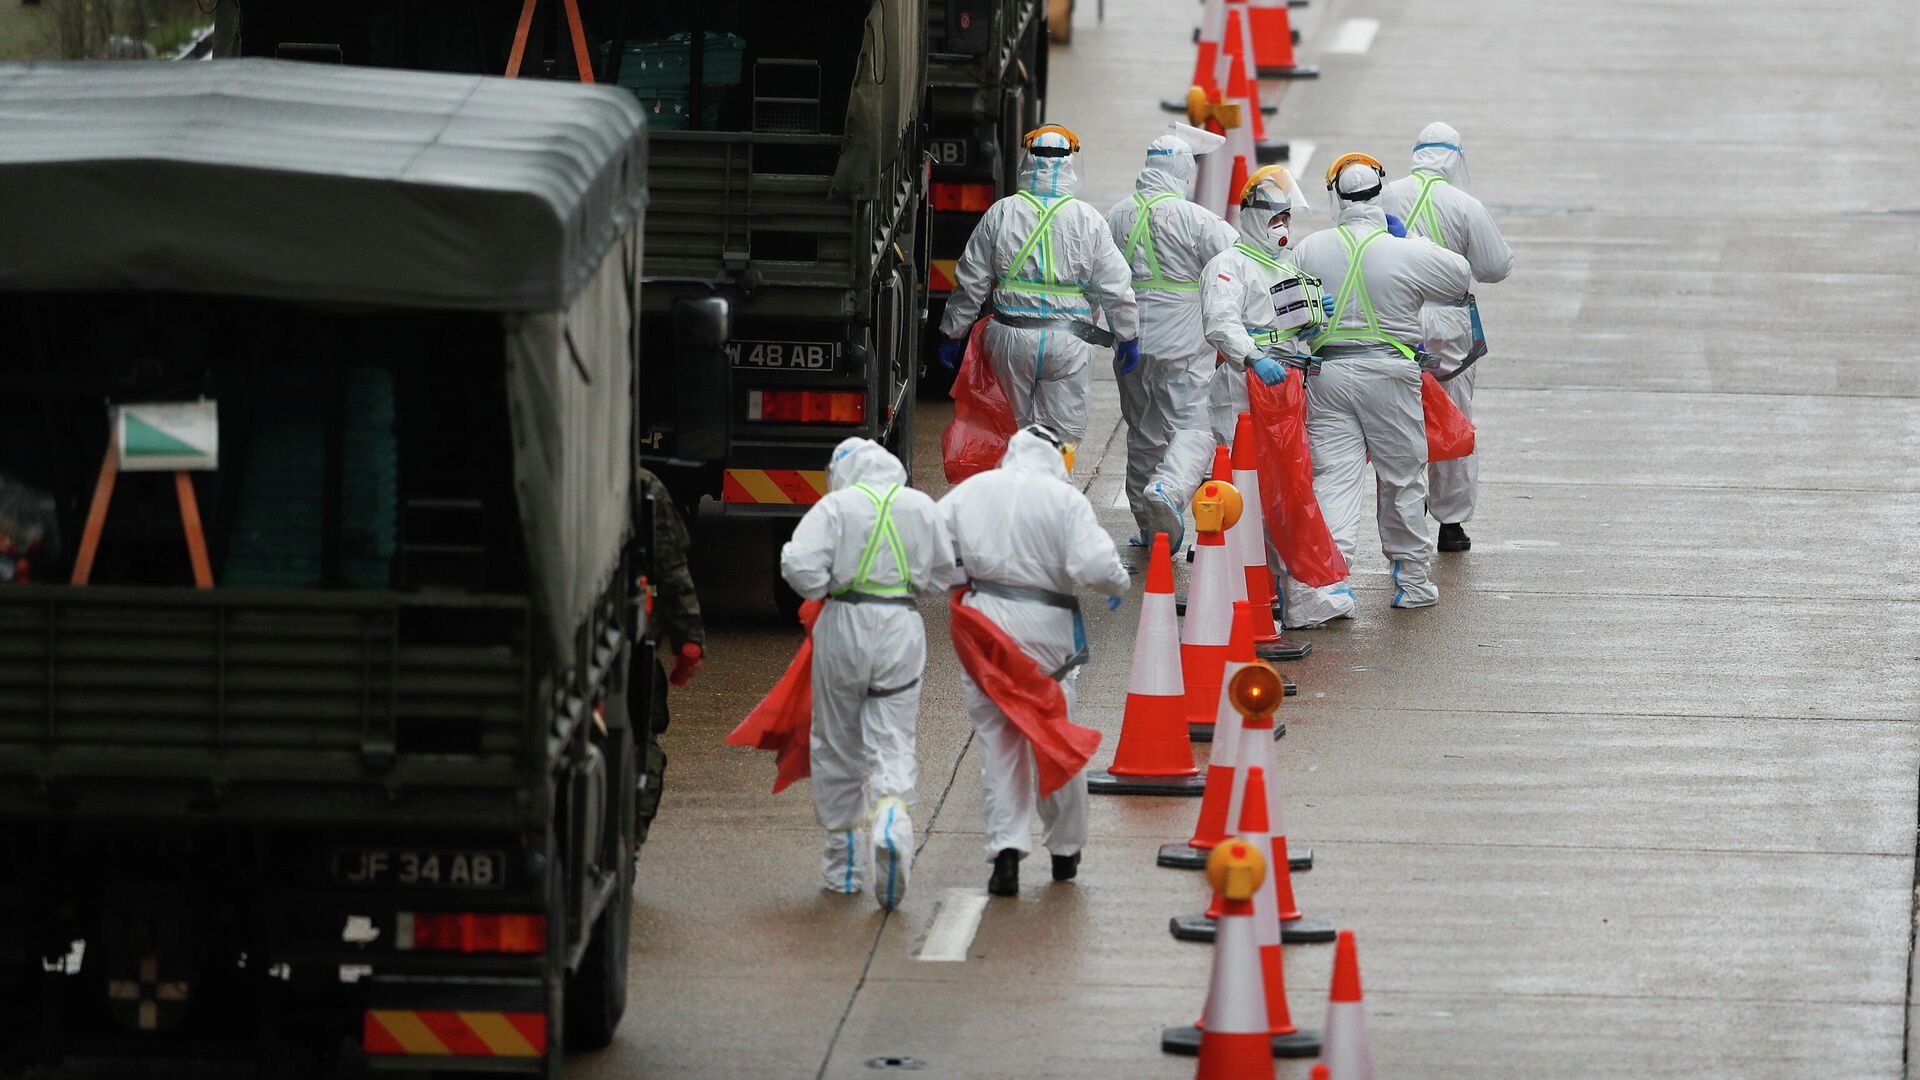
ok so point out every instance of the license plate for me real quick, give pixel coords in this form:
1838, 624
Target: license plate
949, 151
412, 868
784, 355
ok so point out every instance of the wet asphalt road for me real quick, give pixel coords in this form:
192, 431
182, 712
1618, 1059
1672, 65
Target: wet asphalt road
1638, 798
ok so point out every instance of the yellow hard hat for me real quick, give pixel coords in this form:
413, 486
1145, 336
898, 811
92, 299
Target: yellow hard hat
1276, 173
1236, 868
1255, 690
1073, 141
1340, 163
1216, 506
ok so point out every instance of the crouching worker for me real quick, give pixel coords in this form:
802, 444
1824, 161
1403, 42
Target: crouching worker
867, 547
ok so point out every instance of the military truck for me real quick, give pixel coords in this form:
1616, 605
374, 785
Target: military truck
788, 175
986, 88
315, 740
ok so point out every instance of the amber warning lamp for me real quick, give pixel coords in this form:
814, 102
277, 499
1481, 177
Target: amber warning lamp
1255, 690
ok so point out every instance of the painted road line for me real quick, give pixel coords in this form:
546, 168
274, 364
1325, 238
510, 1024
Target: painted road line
1299, 153
1354, 37
951, 934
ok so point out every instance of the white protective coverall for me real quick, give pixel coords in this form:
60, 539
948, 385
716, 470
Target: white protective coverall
1071, 268
1024, 525
1241, 324
1455, 220
1365, 401
1164, 401
869, 650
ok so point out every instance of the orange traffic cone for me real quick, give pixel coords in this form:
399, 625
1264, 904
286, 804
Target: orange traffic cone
1207, 631
1251, 533
1155, 756
1239, 83
1212, 826
1348, 1056
1273, 43
1254, 828
1255, 757
1232, 1038
1206, 38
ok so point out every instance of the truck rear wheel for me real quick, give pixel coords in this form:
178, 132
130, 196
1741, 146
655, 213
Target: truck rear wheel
597, 993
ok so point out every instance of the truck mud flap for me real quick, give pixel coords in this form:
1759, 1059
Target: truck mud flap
426, 1024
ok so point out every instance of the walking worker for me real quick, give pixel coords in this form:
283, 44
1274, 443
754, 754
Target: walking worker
1167, 239
1261, 322
1364, 402
1040, 262
868, 546
1433, 201
1024, 540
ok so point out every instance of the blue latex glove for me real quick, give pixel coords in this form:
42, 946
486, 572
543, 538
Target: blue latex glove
1113, 603
1326, 305
1128, 353
951, 350
1271, 371
1396, 226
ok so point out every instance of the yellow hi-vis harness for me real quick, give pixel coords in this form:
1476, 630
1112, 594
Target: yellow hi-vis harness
1355, 285
1264, 338
1423, 216
1041, 239
864, 589
1141, 239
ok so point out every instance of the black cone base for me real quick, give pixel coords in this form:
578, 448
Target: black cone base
1188, 857
1105, 783
1297, 71
1186, 1042
1282, 648
1204, 732
1180, 106
1271, 153
1304, 931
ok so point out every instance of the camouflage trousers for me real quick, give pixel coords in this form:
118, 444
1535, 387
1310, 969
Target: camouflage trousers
653, 767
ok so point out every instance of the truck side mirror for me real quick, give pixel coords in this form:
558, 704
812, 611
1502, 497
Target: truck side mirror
701, 370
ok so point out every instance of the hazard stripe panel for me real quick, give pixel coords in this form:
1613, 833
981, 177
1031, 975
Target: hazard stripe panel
436, 1033
774, 487
942, 275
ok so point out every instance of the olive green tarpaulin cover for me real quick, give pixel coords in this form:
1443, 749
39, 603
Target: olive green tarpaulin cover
366, 188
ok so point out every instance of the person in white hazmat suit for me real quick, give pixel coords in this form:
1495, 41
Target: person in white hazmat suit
1024, 539
1166, 239
1434, 203
1259, 321
1046, 262
868, 546
1364, 401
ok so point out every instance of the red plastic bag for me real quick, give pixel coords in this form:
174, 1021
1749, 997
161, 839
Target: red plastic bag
1449, 432
783, 721
1292, 514
976, 439
1023, 690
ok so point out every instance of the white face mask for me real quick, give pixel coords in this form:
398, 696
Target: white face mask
1278, 231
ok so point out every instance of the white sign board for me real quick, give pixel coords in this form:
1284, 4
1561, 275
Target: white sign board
168, 437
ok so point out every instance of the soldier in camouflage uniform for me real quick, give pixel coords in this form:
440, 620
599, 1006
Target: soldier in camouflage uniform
682, 637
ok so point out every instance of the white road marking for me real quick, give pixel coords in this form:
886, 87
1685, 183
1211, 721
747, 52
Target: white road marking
1354, 36
951, 934
1299, 152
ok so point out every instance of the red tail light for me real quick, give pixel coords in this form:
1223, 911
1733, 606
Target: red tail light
807, 406
469, 932
968, 198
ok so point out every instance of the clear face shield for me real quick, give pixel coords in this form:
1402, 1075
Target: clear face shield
1445, 157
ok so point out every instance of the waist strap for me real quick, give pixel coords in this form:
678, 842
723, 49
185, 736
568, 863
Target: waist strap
1086, 332
852, 597
1033, 595
1028, 593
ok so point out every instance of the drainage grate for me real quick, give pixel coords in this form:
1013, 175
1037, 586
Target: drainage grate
905, 1064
